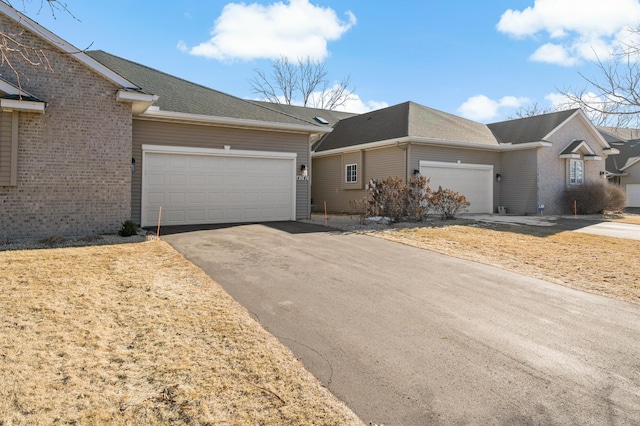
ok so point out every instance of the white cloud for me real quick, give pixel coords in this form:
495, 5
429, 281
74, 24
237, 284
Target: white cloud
553, 54
580, 29
355, 104
359, 106
482, 108
295, 29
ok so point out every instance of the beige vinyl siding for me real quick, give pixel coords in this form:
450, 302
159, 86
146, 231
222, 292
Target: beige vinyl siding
519, 181
385, 162
7, 150
422, 152
197, 136
326, 185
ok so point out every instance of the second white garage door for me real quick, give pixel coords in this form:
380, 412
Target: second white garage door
474, 181
633, 194
216, 186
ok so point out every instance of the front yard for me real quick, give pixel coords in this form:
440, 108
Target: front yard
603, 265
135, 334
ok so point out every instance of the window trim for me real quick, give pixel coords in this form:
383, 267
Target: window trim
353, 174
573, 178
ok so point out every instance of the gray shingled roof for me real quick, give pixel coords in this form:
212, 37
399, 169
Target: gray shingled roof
178, 95
307, 113
404, 120
529, 129
627, 141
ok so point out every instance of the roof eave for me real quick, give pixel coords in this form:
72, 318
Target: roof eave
8, 105
437, 142
181, 117
140, 102
630, 163
611, 151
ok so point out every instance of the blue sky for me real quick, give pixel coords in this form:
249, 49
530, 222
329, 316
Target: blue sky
477, 59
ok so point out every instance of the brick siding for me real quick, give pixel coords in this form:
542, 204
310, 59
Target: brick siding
74, 175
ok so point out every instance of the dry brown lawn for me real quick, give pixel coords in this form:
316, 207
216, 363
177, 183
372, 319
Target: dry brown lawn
134, 334
597, 264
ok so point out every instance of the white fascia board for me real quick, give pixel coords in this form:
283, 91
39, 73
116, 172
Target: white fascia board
596, 133
181, 117
78, 54
437, 142
591, 158
629, 164
11, 89
8, 105
524, 146
611, 151
129, 96
571, 156
559, 126
140, 102
186, 150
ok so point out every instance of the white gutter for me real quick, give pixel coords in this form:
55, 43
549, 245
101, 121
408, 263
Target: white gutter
8, 105
139, 101
432, 141
181, 117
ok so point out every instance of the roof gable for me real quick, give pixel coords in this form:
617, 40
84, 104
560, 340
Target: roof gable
529, 129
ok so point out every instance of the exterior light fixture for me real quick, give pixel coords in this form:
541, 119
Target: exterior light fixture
416, 172
303, 170
498, 177
133, 164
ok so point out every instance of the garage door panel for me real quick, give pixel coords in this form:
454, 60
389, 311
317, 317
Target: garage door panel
194, 188
633, 194
474, 181
197, 198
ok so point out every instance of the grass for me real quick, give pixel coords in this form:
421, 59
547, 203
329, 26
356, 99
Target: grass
602, 265
134, 334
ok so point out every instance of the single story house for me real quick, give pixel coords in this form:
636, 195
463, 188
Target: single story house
624, 169
523, 165
93, 140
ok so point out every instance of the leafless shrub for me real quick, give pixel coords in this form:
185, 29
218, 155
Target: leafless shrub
594, 198
447, 203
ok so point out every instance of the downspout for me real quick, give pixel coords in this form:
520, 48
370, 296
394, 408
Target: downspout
407, 163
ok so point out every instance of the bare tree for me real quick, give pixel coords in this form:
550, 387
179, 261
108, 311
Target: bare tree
613, 97
531, 110
13, 51
306, 81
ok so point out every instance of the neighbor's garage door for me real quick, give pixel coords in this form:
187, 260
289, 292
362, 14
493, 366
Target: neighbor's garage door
633, 195
474, 181
217, 186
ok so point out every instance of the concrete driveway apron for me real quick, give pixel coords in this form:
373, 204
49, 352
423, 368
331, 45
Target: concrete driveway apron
409, 337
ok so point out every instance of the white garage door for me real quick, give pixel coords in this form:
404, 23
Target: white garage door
216, 186
474, 181
633, 195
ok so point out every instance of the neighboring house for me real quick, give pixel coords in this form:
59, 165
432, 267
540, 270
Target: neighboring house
97, 140
624, 169
519, 164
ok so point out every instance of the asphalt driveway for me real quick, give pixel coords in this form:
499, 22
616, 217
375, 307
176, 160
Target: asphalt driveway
409, 337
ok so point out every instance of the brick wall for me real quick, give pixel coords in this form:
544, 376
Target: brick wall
74, 175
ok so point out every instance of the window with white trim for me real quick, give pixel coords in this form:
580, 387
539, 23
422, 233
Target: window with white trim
576, 172
351, 173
